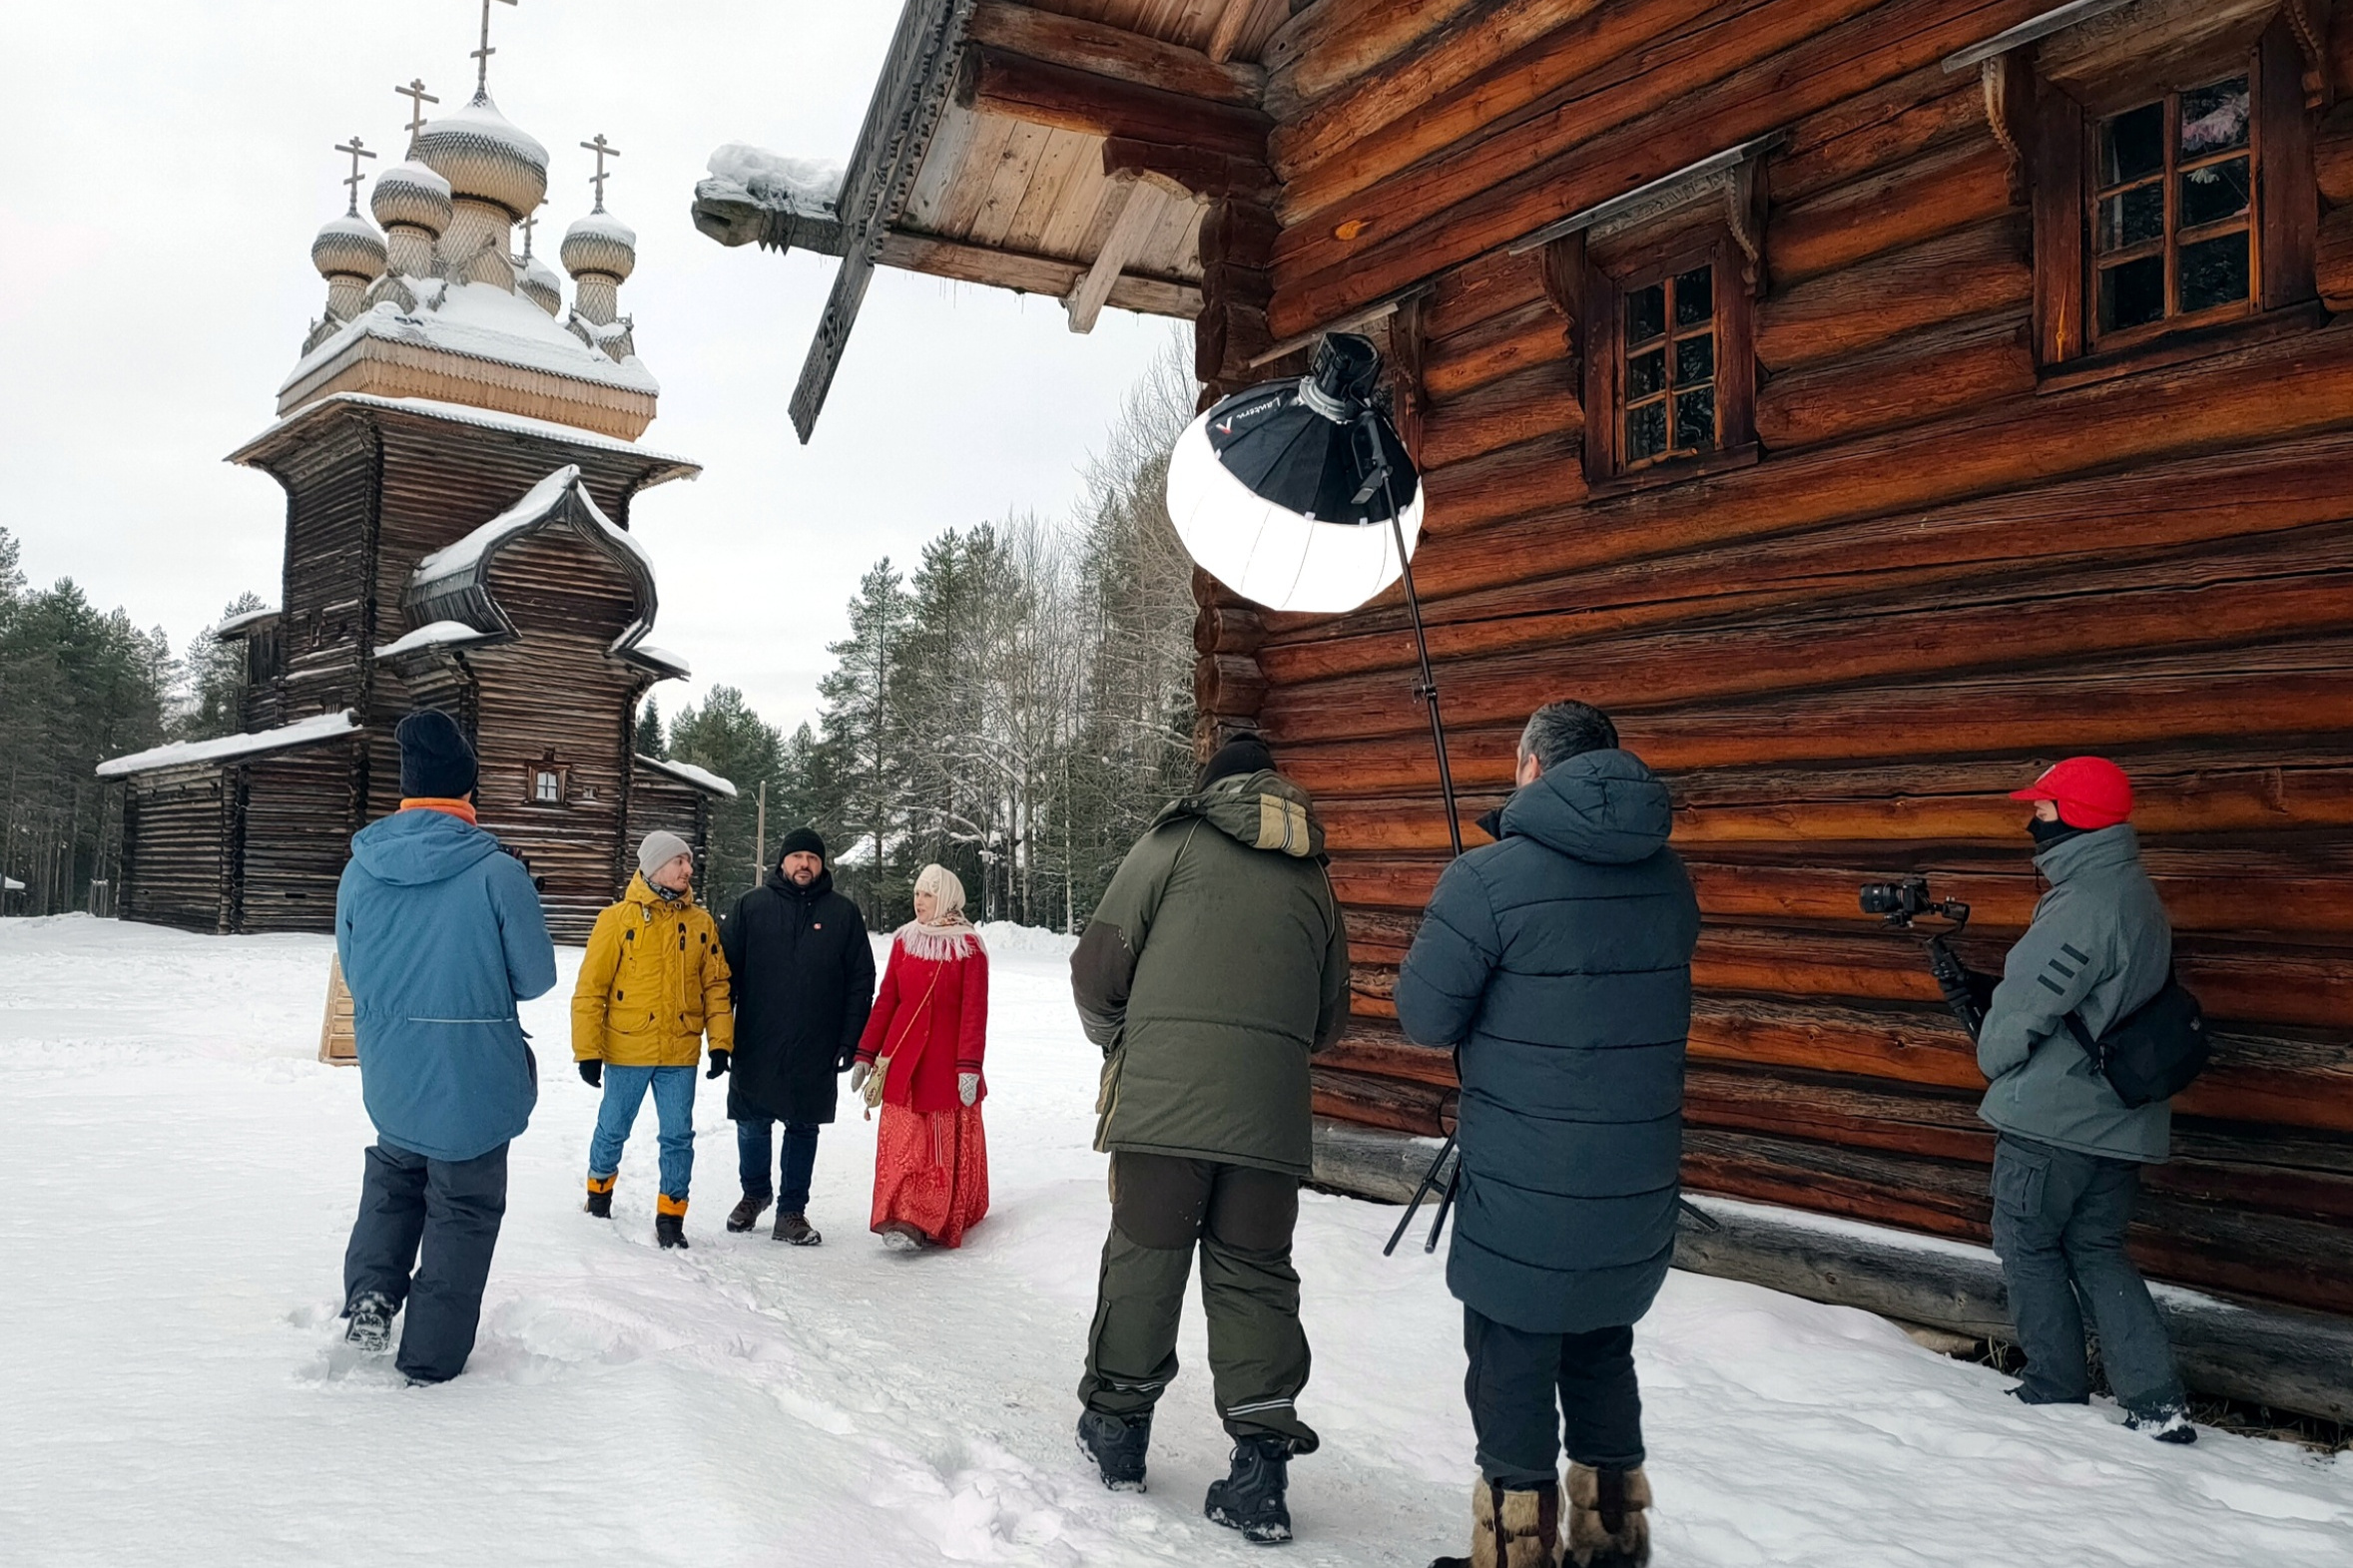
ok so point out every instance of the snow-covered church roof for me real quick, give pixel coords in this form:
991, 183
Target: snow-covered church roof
227, 748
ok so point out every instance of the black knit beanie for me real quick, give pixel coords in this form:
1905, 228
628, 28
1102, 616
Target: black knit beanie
802, 840
436, 763
1245, 754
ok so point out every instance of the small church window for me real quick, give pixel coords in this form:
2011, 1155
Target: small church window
1670, 368
547, 786
2173, 214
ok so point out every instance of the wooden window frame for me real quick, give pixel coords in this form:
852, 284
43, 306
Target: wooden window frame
1609, 278
2282, 227
563, 778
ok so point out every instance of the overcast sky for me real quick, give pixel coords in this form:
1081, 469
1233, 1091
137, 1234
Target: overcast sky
166, 164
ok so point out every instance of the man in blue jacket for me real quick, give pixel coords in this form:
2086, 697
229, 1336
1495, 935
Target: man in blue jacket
440, 934
1557, 963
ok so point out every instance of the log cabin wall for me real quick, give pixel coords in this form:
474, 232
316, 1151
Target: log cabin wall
1952, 559
660, 803
177, 849
297, 816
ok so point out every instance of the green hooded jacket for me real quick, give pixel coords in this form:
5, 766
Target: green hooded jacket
1214, 967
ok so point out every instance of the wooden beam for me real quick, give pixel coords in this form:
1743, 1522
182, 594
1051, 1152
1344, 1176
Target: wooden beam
1042, 92
1032, 275
1227, 36
1116, 52
1138, 205
917, 76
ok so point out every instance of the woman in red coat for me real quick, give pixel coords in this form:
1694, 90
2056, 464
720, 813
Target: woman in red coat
925, 1041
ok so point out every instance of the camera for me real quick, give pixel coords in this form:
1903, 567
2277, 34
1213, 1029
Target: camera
1904, 901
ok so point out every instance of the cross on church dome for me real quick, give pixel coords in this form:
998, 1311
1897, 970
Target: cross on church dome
482, 56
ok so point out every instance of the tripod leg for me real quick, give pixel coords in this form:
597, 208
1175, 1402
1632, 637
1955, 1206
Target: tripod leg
1429, 1180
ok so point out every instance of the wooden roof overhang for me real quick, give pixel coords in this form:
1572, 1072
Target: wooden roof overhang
626, 465
1058, 147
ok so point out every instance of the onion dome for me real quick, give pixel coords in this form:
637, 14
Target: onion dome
349, 246
601, 244
413, 195
485, 157
541, 286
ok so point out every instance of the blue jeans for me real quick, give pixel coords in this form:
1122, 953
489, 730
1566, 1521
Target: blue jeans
798, 1160
2059, 1229
674, 1105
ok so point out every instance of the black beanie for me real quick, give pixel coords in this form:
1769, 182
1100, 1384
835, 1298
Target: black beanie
1245, 754
436, 763
802, 840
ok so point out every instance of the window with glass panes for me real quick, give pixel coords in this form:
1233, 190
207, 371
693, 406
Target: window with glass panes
1668, 368
2173, 230
548, 788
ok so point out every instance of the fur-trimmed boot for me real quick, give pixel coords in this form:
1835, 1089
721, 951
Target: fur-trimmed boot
1510, 1529
1606, 1527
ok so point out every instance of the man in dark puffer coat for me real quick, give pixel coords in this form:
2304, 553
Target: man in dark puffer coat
1557, 962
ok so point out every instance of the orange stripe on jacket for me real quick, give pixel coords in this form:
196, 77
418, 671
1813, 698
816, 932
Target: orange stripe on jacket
462, 809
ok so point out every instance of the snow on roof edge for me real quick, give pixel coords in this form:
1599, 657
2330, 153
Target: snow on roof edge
435, 634
466, 413
687, 773
537, 502
237, 623
181, 754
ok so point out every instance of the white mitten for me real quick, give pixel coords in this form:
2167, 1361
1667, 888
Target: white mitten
969, 1087
859, 1076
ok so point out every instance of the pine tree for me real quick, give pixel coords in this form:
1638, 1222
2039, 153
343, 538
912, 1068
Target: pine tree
648, 741
212, 678
726, 737
864, 735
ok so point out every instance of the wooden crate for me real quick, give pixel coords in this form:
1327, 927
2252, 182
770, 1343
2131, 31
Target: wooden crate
338, 1039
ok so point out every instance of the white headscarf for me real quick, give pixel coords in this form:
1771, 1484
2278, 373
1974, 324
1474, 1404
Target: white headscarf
950, 935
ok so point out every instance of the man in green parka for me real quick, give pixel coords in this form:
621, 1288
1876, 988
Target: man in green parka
1214, 967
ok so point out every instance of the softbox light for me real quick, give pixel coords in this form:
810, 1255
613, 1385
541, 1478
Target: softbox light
1286, 492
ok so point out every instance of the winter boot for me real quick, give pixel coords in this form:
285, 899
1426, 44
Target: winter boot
1117, 1445
746, 1213
1251, 1498
1510, 1529
670, 1221
371, 1322
600, 1195
1606, 1524
900, 1237
2167, 1425
795, 1229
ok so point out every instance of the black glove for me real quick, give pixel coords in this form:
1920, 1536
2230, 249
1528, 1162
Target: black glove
847, 1060
592, 1073
1980, 988
720, 1062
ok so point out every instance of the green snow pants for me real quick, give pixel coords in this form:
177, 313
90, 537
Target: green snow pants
1241, 1219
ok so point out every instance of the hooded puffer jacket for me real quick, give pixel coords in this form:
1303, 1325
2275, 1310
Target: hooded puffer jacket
440, 934
1215, 965
1558, 962
653, 981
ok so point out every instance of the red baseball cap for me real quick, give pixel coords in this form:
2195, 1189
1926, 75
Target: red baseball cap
2090, 791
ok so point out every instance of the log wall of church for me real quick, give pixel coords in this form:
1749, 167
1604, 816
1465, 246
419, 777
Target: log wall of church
1946, 572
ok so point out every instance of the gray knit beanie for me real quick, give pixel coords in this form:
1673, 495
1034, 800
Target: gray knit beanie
658, 850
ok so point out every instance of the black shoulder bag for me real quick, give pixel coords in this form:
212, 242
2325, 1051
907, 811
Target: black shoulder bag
2153, 1052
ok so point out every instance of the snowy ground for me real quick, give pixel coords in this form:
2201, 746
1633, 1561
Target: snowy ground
180, 1175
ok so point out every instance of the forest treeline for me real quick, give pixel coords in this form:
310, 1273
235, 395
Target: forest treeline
1016, 705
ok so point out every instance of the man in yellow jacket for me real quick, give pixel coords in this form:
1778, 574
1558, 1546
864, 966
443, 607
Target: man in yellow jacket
653, 982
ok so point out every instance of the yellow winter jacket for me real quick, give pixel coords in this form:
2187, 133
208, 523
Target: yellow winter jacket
653, 981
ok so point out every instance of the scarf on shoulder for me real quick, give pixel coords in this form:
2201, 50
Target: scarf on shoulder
939, 943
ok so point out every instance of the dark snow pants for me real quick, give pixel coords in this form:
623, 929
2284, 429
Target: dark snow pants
1241, 1220
1532, 1394
448, 1208
2059, 1229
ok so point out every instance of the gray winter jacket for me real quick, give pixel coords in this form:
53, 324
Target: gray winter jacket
2099, 945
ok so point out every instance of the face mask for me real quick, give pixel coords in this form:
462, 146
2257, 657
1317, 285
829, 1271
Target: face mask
2050, 833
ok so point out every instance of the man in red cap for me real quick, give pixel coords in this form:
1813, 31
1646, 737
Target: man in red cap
2068, 1165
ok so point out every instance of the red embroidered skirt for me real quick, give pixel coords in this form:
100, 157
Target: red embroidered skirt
931, 1171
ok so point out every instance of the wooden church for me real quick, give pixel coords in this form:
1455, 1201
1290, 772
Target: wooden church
1869, 402
458, 452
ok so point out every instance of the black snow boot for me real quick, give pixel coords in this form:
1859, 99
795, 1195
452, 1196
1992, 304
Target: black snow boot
600, 1197
2167, 1425
1117, 1445
1251, 1499
670, 1230
795, 1229
371, 1322
746, 1214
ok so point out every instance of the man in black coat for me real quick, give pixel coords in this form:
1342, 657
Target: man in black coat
1557, 963
804, 981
